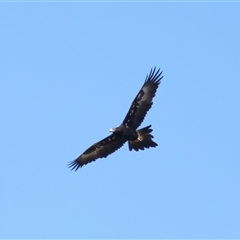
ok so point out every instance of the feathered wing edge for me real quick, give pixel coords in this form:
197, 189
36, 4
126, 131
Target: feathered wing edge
143, 101
100, 149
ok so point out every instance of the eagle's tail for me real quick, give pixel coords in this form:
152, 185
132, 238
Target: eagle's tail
144, 140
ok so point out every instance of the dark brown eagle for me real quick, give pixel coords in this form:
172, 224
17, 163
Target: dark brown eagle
127, 131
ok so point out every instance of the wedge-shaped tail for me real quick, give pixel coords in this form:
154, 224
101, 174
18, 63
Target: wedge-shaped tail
144, 140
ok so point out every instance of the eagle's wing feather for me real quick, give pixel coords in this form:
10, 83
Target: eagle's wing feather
100, 149
143, 101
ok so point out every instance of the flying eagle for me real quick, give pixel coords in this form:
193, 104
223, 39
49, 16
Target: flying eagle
127, 131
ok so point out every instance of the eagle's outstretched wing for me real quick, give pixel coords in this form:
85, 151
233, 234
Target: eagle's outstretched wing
100, 149
143, 101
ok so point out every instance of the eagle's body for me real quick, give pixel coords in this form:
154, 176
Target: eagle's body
127, 131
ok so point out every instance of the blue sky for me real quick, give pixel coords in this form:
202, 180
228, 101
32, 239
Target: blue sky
69, 72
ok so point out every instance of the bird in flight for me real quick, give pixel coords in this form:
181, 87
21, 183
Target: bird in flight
127, 131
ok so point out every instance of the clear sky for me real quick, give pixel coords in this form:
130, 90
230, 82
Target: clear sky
69, 72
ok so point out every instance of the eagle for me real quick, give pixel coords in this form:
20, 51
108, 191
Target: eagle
127, 131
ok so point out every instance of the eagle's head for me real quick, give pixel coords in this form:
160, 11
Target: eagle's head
117, 130
112, 130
